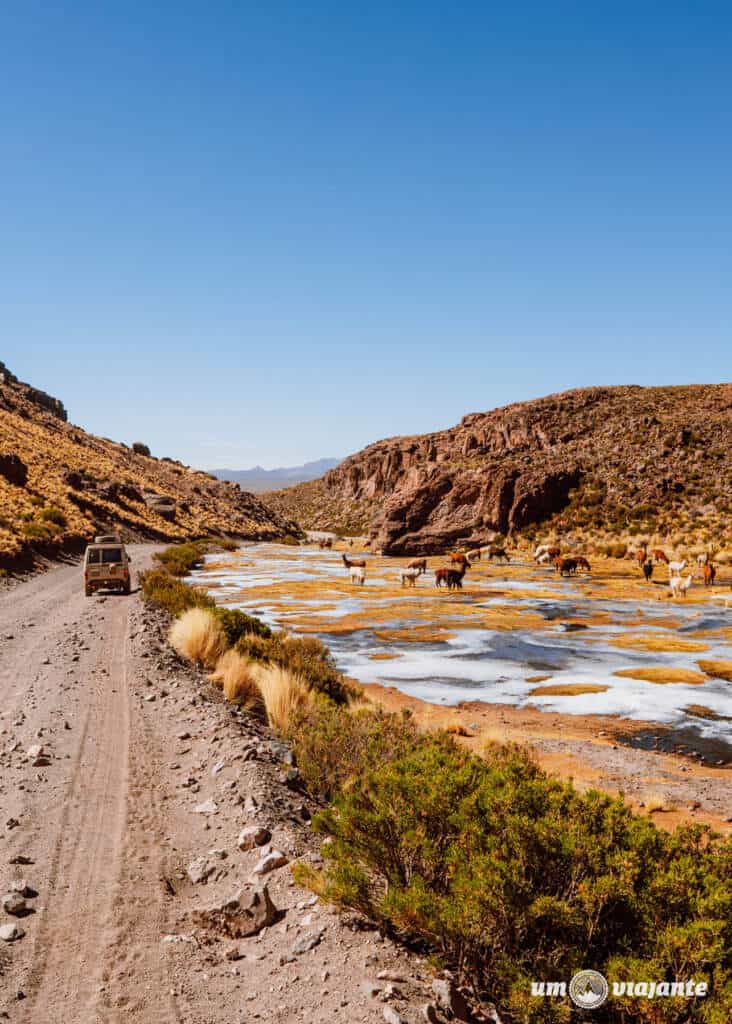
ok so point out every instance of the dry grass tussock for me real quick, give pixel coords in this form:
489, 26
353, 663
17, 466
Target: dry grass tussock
234, 675
285, 694
198, 636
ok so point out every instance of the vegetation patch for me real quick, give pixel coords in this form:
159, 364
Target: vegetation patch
716, 669
662, 674
659, 643
566, 690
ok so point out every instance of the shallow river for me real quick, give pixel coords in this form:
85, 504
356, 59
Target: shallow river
513, 636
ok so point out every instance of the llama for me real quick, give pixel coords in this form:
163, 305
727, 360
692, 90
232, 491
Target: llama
709, 573
702, 559
648, 570
496, 552
659, 556
354, 563
679, 586
357, 575
455, 578
540, 550
459, 559
676, 568
565, 566
418, 563
582, 563
474, 555
409, 577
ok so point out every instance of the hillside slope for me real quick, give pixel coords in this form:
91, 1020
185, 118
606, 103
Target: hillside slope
59, 486
609, 462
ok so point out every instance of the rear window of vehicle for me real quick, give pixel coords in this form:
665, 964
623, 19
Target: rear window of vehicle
111, 555
92, 556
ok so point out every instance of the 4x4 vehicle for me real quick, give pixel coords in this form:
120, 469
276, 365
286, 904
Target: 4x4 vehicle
106, 565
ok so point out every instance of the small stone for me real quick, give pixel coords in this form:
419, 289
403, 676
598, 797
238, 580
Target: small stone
184, 735
430, 1013
391, 1016
450, 999
207, 807
307, 941
253, 835
14, 904
200, 870
273, 860
11, 932
392, 976
370, 989
218, 767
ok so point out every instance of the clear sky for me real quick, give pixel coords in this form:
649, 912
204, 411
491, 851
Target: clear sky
272, 232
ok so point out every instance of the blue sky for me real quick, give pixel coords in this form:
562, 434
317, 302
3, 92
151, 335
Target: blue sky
269, 233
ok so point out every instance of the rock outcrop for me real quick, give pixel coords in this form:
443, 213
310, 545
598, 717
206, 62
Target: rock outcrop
606, 458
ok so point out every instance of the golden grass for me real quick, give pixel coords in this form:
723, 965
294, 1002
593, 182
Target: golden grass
566, 690
456, 728
662, 675
537, 679
700, 711
384, 656
197, 636
659, 643
284, 694
656, 802
234, 675
716, 669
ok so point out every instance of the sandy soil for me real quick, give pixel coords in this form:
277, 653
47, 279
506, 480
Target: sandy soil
102, 826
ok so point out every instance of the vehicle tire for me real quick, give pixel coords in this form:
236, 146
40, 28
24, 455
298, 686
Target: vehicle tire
126, 589
88, 591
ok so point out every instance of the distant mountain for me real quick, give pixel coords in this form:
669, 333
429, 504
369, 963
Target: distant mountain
258, 479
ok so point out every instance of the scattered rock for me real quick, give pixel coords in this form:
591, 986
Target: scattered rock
200, 870
14, 904
450, 999
391, 1016
245, 914
307, 941
253, 835
430, 1013
273, 860
207, 807
11, 932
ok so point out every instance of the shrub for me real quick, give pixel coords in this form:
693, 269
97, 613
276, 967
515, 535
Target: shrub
237, 624
162, 589
507, 875
334, 744
54, 515
181, 558
140, 449
306, 657
234, 675
198, 636
285, 695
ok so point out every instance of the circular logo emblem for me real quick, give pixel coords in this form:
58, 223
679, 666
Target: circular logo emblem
588, 989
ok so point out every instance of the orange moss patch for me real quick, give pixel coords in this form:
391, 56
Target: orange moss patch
700, 711
717, 669
662, 675
566, 690
536, 679
659, 643
383, 656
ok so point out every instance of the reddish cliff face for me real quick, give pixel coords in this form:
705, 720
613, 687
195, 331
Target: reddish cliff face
606, 458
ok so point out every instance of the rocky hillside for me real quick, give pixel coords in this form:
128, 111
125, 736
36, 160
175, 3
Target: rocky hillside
59, 486
606, 462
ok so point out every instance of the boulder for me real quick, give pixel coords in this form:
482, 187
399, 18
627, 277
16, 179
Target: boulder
13, 469
245, 914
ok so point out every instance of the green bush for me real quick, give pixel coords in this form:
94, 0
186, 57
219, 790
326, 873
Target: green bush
167, 592
140, 449
39, 531
306, 657
334, 745
54, 515
508, 875
181, 558
238, 624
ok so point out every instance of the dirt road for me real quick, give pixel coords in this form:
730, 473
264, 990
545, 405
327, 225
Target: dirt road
103, 821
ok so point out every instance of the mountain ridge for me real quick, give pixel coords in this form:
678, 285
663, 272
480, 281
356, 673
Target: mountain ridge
604, 461
257, 479
59, 485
